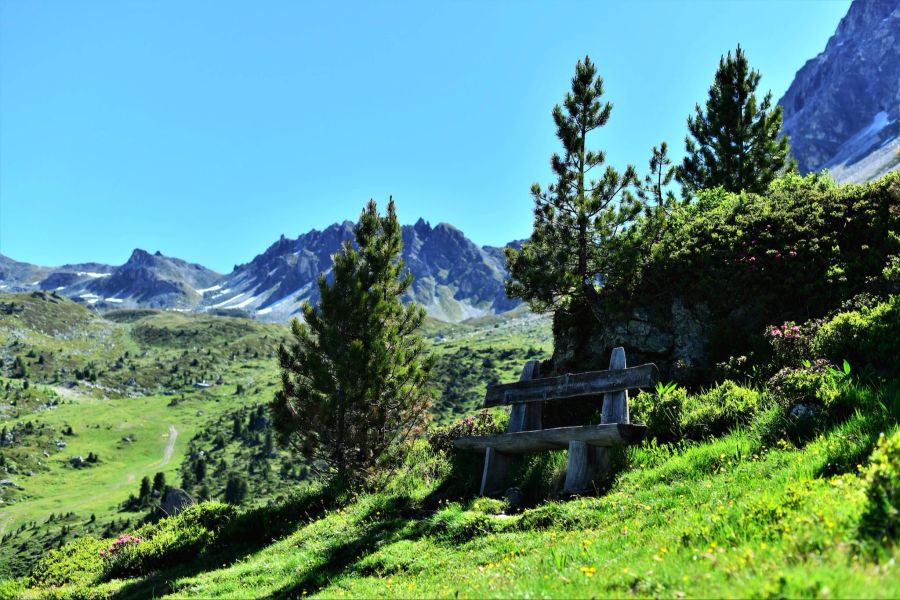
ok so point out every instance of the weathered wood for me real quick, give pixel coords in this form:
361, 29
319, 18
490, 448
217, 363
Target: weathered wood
588, 465
522, 417
558, 438
585, 466
573, 385
615, 403
526, 417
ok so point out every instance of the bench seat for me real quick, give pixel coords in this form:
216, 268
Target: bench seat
558, 438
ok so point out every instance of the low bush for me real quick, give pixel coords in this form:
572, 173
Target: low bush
661, 413
881, 516
78, 563
462, 525
867, 336
720, 409
813, 385
169, 542
484, 423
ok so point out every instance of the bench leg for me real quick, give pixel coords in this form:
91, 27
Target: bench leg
587, 464
522, 417
496, 470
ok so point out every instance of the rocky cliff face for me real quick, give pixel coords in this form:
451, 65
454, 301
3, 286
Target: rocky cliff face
453, 278
842, 111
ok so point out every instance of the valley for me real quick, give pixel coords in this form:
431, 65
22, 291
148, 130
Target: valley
144, 389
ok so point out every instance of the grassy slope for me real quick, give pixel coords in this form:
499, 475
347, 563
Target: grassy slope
730, 517
104, 411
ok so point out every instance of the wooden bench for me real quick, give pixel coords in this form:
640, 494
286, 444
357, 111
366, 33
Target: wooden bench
588, 445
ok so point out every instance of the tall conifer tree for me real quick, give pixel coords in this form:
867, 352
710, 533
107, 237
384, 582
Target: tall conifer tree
734, 142
576, 218
354, 378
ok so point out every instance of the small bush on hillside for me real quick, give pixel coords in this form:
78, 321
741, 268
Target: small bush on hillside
868, 336
814, 385
484, 423
881, 517
661, 413
463, 525
720, 409
169, 542
78, 563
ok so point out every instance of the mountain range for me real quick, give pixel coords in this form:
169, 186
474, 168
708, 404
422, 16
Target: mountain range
454, 279
842, 111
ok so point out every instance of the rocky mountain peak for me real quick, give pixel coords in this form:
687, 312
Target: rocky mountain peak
842, 111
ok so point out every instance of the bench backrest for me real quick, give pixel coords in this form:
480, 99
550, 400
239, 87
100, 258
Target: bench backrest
527, 396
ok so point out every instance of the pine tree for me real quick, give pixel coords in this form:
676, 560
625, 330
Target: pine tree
159, 483
145, 488
235, 489
354, 376
576, 218
734, 142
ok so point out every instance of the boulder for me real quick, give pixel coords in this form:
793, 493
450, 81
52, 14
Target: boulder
174, 501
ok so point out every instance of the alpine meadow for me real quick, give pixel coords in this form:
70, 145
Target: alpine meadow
681, 378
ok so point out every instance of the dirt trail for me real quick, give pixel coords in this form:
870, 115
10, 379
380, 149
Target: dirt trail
170, 446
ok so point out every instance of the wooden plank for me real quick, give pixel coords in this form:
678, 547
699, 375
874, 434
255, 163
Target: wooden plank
588, 465
615, 403
572, 385
522, 417
526, 416
524, 442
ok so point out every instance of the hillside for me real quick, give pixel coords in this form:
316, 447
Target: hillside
150, 391
777, 475
841, 110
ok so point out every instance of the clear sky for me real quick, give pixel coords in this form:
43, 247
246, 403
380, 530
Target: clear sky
207, 129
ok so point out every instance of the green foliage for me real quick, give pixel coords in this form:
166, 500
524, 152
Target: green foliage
868, 336
881, 517
170, 542
676, 415
660, 412
814, 384
576, 218
354, 378
797, 252
484, 423
734, 142
78, 562
720, 409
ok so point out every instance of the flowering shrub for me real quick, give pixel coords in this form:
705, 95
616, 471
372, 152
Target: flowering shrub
483, 423
121, 542
788, 331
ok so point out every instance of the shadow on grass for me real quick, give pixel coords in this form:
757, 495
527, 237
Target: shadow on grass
244, 535
400, 518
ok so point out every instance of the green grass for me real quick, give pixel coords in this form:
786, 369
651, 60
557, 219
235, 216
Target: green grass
119, 375
728, 517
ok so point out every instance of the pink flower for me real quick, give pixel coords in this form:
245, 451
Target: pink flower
795, 328
793, 253
753, 259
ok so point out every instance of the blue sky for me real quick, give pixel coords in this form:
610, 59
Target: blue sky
207, 129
